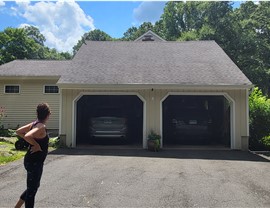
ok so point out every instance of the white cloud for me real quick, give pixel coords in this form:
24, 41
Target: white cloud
24, 25
2, 3
148, 11
62, 23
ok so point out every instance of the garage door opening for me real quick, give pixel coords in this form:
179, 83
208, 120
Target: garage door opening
196, 120
109, 120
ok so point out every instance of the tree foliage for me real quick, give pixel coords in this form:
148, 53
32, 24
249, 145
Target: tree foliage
253, 43
26, 43
34, 33
259, 119
94, 35
14, 44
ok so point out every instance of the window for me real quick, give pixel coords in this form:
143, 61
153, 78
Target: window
12, 89
51, 89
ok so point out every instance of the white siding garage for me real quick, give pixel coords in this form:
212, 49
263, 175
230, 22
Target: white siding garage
153, 100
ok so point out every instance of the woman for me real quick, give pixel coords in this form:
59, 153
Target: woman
36, 135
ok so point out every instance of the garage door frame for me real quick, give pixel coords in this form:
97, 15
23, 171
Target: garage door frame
226, 95
81, 94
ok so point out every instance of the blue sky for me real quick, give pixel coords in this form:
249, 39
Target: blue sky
64, 22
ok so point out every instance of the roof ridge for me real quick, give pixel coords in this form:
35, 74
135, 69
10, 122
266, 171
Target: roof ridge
154, 42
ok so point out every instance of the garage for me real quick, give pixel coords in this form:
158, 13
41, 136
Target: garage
109, 120
196, 120
149, 85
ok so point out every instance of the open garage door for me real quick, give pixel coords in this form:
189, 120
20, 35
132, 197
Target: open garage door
109, 120
196, 120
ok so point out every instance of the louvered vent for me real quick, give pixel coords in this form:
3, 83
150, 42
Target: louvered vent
148, 38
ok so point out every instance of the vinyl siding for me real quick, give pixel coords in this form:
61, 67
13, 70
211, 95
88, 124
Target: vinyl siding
21, 108
153, 109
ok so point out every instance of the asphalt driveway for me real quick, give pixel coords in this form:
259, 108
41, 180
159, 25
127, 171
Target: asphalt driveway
138, 178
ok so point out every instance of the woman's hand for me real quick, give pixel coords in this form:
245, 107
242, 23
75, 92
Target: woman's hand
35, 148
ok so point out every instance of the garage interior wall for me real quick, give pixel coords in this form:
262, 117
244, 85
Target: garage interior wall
121, 114
153, 98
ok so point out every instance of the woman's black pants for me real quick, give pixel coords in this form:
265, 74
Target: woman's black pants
34, 173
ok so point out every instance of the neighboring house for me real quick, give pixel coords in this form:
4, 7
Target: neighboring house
147, 80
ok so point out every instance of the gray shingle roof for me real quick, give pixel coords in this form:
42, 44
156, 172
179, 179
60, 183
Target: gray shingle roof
34, 68
97, 62
183, 63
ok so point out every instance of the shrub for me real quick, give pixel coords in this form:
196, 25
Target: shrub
153, 141
54, 142
266, 141
2, 114
259, 106
154, 136
7, 132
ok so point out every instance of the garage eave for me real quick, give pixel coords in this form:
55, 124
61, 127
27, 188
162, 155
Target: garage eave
152, 86
18, 77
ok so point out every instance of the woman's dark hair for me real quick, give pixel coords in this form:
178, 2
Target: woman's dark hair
43, 110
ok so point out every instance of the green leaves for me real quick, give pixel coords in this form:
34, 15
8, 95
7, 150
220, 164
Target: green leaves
259, 106
94, 35
25, 43
253, 44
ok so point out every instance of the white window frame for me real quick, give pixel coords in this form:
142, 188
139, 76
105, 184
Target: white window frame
50, 85
12, 85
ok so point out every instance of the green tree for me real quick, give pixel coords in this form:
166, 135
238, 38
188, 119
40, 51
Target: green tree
182, 18
143, 28
130, 34
159, 29
97, 35
15, 44
171, 20
259, 106
34, 33
26, 43
133, 33
253, 44
94, 35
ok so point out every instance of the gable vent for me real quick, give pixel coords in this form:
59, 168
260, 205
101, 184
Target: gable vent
147, 38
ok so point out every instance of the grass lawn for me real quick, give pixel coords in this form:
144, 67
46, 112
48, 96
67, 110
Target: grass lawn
8, 153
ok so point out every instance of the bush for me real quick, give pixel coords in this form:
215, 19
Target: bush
153, 141
266, 141
259, 106
154, 136
54, 142
7, 132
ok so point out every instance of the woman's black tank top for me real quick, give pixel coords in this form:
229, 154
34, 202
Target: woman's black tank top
41, 155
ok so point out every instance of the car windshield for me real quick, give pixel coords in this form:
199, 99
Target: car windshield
190, 113
108, 112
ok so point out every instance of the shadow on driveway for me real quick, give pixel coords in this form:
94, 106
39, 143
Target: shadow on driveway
167, 153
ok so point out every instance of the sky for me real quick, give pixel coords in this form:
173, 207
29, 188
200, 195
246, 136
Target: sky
64, 22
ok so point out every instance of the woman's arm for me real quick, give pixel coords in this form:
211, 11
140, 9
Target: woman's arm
23, 130
29, 135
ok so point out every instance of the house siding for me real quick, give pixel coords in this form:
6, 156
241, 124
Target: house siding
153, 100
21, 108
